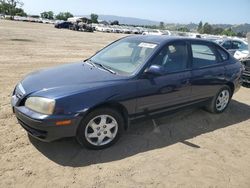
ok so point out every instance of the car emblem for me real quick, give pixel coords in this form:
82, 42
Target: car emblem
20, 87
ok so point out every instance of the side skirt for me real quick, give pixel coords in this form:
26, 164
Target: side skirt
167, 111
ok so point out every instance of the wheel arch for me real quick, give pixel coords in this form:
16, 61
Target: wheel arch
231, 86
114, 105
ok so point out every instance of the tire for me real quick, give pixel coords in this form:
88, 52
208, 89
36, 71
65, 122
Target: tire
216, 105
100, 129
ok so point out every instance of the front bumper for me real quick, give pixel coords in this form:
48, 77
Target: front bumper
246, 71
45, 128
246, 77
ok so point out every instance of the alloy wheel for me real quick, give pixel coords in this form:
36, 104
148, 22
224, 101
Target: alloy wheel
101, 130
222, 100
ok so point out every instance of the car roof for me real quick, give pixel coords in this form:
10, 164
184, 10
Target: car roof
163, 39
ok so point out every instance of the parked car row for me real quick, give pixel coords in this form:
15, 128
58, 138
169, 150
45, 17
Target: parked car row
118, 29
63, 25
76, 26
31, 19
129, 29
81, 26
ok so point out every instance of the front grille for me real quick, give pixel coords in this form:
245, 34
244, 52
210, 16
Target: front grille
246, 63
247, 69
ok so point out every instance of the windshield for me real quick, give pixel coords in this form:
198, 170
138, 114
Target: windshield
124, 56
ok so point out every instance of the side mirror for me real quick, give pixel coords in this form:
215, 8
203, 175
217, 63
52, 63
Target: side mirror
156, 70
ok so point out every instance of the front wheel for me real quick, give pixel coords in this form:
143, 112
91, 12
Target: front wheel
220, 101
100, 129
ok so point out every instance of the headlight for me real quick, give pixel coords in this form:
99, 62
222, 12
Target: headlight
41, 105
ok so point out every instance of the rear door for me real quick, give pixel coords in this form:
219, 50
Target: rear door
208, 72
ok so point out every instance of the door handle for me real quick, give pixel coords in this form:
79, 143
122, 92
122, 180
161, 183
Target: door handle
185, 82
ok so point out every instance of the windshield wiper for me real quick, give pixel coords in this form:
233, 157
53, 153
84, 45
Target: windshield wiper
94, 64
89, 61
105, 68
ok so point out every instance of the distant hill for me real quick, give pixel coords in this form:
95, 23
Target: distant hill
245, 28
127, 20
171, 26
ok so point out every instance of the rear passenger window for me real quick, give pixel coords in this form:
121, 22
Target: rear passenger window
223, 54
203, 55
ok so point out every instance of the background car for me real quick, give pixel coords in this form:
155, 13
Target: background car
232, 45
245, 60
65, 25
246, 72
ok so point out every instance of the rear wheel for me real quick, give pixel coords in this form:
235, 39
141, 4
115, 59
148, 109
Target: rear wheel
100, 129
220, 101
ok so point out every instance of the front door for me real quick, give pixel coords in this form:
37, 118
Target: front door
172, 88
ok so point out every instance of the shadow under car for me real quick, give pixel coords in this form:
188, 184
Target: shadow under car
146, 135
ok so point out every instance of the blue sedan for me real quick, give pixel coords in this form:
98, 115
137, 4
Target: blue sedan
134, 77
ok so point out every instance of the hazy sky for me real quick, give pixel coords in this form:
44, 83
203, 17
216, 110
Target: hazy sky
169, 11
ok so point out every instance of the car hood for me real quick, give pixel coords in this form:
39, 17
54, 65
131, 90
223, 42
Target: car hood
67, 78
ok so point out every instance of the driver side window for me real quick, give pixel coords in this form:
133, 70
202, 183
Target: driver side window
173, 57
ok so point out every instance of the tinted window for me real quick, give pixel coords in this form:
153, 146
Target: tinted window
223, 54
173, 57
227, 44
236, 44
203, 55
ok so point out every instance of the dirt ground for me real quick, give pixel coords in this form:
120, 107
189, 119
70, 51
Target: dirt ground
191, 148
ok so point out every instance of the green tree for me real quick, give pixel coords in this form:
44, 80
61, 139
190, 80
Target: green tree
162, 25
64, 16
217, 31
94, 18
116, 22
1, 8
47, 15
10, 7
20, 12
228, 32
241, 34
183, 29
4, 7
200, 27
207, 28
